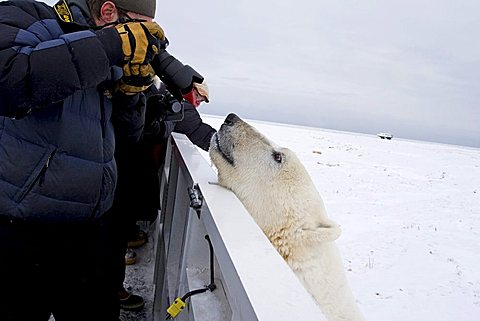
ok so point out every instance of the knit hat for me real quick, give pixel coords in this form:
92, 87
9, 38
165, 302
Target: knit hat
143, 7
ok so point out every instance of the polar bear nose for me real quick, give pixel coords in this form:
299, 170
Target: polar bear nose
231, 119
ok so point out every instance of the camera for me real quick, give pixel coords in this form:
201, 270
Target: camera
161, 108
164, 107
167, 105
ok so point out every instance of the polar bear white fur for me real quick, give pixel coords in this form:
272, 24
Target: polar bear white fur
277, 191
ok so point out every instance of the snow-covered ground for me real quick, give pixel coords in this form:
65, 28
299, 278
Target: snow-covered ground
410, 214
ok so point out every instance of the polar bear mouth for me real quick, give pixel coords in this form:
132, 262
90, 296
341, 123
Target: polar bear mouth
226, 157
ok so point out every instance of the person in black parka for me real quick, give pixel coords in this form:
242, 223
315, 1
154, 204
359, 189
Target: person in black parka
62, 82
138, 193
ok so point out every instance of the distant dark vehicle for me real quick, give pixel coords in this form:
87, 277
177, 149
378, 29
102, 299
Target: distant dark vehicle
385, 135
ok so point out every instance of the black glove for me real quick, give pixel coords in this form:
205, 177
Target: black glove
132, 42
158, 130
140, 43
136, 78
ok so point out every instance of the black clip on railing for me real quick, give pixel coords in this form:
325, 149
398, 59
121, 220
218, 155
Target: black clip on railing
196, 198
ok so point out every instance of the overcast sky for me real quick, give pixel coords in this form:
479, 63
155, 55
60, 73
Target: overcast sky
410, 67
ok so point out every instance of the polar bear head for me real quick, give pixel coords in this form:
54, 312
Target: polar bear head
269, 180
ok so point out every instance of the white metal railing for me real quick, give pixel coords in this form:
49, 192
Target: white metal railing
252, 280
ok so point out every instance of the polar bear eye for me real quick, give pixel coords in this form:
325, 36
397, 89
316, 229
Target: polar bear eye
277, 157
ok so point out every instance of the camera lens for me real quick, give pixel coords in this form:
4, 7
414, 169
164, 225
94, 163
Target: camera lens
176, 107
174, 74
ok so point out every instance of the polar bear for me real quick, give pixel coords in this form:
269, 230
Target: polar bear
277, 191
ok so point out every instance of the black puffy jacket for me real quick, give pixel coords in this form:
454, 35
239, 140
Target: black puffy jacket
138, 189
194, 128
56, 138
